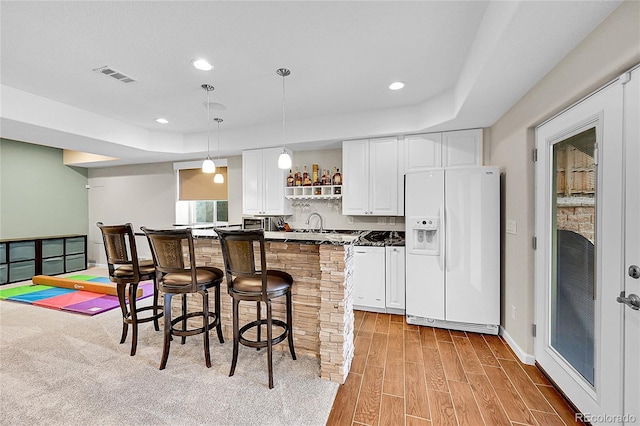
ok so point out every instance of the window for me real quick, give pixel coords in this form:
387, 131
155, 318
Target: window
200, 201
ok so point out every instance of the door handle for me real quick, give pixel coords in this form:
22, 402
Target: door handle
633, 301
634, 271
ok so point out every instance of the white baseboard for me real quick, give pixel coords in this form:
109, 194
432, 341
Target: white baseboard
522, 355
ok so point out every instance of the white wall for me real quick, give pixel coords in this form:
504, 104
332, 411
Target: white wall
143, 194
612, 48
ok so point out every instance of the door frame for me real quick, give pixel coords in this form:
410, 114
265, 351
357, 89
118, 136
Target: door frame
631, 141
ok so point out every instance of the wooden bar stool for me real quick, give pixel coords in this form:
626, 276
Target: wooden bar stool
176, 273
245, 283
125, 269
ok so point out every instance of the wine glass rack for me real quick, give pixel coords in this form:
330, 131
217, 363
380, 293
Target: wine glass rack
319, 192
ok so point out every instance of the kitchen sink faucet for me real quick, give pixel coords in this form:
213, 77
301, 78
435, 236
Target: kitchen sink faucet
319, 217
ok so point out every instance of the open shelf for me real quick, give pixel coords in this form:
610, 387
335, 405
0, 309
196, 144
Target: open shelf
321, 192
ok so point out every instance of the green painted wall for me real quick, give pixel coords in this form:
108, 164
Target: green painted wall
39, 195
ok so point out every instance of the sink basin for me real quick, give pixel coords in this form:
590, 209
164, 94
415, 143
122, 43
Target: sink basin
311, 236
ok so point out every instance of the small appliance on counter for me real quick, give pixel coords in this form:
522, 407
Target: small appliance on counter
266, 223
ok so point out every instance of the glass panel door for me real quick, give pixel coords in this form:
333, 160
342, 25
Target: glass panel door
579, 253
573, 247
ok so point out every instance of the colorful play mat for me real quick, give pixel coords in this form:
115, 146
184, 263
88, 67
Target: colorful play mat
82, 294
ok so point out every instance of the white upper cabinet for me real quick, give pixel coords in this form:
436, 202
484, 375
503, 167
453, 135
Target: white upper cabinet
423, 151
370, 177
263, 183
462, 148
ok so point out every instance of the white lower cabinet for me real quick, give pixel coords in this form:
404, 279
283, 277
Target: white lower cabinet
378, 279
369, 278
394, 280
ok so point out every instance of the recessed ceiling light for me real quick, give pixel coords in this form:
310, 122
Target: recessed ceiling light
162, 120
396, 85
202, 64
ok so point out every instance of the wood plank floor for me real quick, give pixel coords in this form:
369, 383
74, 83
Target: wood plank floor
403, 374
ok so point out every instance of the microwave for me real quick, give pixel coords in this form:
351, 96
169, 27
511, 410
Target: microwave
266, 223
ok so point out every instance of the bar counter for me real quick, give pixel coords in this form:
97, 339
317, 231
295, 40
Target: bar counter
322, 298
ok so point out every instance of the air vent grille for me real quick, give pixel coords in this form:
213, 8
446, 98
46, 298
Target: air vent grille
115, 74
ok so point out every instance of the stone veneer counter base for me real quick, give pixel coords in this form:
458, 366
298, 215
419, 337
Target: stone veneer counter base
322, 299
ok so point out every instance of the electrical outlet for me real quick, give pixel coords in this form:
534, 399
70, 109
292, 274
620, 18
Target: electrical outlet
513, 312
350, 220
382, 221
511, 227
392, 220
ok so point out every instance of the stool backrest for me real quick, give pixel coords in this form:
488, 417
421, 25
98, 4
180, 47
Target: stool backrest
168, 251
120, 248
238, 251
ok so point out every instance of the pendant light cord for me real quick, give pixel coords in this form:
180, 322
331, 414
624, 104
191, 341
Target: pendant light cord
218, 120
208, 122
283, 98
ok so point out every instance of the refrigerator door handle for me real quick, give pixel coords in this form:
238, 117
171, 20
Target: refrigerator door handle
441, 256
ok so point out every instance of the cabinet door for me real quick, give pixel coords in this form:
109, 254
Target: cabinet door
252, 184
369, 278
355, 185
462, 148
383, 177
395, 281
422, 151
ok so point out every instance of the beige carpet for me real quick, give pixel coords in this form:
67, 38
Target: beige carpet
60, 368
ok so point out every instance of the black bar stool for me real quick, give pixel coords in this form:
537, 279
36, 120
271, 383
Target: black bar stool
176, 273
245, 283
125, 269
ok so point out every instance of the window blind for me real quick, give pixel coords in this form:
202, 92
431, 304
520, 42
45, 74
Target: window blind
195, 185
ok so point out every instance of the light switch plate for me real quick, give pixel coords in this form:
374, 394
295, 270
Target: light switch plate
392, 220
512, 227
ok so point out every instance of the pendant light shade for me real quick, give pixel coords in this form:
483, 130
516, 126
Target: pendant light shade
208, 166
284, 160
218, 178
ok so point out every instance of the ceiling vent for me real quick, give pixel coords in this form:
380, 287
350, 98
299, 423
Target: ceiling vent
114, 74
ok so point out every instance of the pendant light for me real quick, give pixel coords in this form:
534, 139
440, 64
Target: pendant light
284, 160
208, 166
218, 178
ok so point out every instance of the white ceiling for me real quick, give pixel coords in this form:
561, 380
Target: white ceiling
465, 63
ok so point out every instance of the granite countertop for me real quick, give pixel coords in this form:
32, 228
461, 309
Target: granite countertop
358, 238
380, 238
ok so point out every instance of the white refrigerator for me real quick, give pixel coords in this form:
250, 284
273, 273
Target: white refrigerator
452, 219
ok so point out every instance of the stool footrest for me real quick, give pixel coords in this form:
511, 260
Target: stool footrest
193, 331
139, 320
262, 343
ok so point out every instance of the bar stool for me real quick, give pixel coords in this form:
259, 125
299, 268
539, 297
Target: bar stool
125, 269
245, 283
176, 273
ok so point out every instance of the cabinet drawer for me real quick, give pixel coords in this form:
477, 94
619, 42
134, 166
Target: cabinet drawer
23, 250
21, 271
53, 266
74, 262
3, 252
74, 245
51, 248
3, 274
